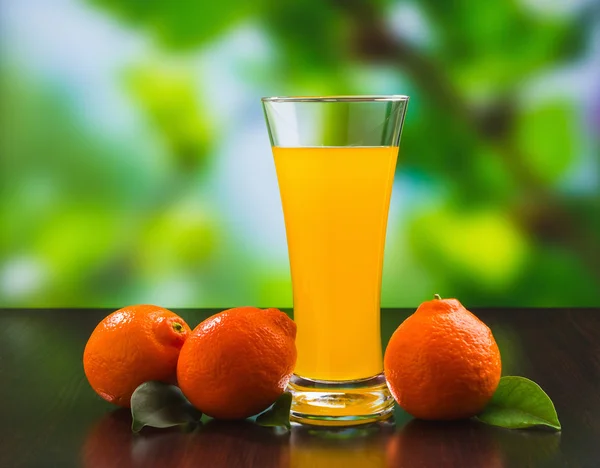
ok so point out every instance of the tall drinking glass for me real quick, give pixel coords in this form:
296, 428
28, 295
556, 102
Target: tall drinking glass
335, 159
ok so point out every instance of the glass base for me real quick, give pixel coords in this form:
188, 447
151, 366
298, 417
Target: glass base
340, 403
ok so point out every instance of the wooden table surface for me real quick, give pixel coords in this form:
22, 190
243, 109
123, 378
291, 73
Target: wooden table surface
50, 417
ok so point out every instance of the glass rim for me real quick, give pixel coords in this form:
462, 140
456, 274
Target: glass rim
341, 98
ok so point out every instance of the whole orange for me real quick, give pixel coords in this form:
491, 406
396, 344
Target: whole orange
236, 363
442, 362
131, 346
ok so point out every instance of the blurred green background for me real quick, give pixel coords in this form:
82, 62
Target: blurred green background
135, 162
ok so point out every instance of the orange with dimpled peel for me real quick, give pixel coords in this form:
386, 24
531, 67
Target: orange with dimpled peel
442, 362
238, 362
131, 346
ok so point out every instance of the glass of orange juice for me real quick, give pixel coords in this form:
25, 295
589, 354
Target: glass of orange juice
335, 158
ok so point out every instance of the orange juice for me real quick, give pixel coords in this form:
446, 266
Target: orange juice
335, 204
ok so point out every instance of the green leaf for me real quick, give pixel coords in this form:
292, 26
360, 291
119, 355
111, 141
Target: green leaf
157, 404
279, 414
520, 403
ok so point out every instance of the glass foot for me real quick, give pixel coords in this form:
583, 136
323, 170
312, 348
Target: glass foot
340, 403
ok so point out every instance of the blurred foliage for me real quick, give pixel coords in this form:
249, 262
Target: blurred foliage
182, 23
496, 200
168, 97
492, 46
482, 248
548, 157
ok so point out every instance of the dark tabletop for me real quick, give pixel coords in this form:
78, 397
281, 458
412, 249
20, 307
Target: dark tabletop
50, 417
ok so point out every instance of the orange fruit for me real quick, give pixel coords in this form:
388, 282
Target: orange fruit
442, 362
236, 363
131, 346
